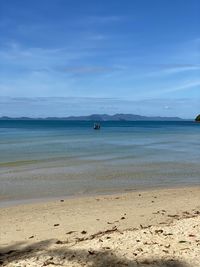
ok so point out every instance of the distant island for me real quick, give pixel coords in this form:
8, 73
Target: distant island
101, 117
198, 118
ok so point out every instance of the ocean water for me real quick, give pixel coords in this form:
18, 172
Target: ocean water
47, 159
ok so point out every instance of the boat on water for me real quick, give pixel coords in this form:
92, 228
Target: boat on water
96, 126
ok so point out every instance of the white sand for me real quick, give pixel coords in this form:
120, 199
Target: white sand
40, 234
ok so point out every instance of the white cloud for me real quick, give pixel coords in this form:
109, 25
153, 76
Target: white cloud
173, 69
66, 106
185, 86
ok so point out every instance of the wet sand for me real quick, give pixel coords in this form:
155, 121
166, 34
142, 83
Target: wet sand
158, 227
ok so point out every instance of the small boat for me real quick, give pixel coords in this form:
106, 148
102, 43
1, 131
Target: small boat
96, 126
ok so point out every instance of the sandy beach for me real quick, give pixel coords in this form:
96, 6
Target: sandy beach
159, 227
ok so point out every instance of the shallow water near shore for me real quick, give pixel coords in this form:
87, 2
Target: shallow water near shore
44, 159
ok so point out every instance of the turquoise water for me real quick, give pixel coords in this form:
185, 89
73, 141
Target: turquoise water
40, 159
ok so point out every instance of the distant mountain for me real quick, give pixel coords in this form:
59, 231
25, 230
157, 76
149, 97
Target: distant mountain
101, 117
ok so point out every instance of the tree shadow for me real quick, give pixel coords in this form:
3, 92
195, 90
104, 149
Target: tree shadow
60, 255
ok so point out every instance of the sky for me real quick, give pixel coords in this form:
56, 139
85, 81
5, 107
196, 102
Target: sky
78, 57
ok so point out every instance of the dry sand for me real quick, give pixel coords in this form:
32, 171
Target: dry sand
149, 228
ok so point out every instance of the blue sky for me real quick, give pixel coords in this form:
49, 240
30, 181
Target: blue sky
75, 57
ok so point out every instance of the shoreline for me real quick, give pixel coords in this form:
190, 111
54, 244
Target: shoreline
6, 203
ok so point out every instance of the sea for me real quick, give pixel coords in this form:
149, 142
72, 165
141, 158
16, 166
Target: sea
46, 159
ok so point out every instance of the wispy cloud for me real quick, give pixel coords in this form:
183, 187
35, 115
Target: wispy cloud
30, 60
97, 37
15, 51
171, 69
64, 60
88, 69
185, 86
105, 19
66, 106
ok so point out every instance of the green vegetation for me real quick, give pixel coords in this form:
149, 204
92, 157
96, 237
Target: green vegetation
198, 118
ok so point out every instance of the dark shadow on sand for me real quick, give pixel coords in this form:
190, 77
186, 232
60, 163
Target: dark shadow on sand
60, 256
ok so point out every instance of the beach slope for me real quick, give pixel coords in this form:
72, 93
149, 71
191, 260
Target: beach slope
159, 227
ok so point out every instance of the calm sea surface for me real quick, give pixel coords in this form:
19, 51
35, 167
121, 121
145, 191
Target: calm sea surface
46, 159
